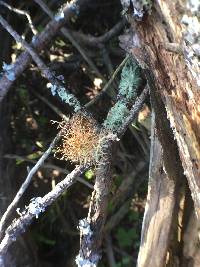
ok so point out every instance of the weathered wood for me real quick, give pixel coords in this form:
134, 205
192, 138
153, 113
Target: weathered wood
167, 51
158, 211
191, 242
176, 78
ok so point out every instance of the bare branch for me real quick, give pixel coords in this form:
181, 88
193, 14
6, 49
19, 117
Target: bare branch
21, 12
99, 41
134, 111
56, 84
50, 105
108, 84
66, 34
24, 186
49, 166
110, 252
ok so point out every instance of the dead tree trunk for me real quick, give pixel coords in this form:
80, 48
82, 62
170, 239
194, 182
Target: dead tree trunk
166, 45
161, 197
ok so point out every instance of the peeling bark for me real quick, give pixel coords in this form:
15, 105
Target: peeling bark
165, 44
175, 84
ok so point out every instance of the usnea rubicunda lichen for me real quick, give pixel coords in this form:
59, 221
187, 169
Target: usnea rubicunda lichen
129, 83
80, 139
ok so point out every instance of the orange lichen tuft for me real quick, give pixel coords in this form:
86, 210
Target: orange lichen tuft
80, 140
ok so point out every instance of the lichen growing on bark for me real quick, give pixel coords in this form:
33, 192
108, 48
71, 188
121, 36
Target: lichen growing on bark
129, 83
116, 116
130, 80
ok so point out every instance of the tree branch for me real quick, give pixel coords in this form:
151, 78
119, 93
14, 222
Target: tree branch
39, 42
36, 206
66, 34
134, 111
24, 186
56, 84
21, 12
48, 166
99, 41
91, 228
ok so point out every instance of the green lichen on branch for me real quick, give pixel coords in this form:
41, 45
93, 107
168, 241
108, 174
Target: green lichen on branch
66, 97
129, 83
116, 116
130, 80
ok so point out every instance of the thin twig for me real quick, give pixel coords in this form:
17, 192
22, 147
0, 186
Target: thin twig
129, 183
41, 65
118, 216
25, 184
21, 12
48, 166
110, 252
134, 111
49, 104
39, 42
106, 87
36, 207
98, 41
67, 35
107, 60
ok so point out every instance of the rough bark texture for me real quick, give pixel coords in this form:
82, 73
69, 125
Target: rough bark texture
160, 44
90, 243
174, 80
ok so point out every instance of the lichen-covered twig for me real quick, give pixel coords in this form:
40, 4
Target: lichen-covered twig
91, 228
13, 205
39, 42
128, 87
108, 84
36, 206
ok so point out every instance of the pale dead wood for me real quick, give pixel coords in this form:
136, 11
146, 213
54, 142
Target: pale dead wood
158, 211
191, 241
175, 83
